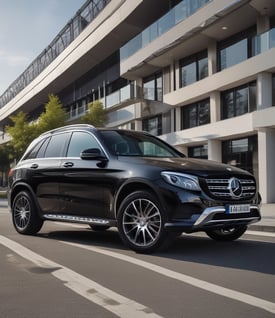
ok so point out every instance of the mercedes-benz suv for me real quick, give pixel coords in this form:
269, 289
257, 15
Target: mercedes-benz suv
130, 180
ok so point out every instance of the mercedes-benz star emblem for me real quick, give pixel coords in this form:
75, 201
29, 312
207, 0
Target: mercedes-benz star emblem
235, 187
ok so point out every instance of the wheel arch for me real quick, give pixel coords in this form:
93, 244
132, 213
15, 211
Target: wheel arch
21, 186
132, 186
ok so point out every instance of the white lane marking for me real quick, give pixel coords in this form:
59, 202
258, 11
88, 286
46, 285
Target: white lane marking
216, 289
106, 298
260, 233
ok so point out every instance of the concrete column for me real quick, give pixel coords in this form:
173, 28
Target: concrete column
215, 107
262, 24
177, 74
177, 119
215, 150
212, 58
266, 150
264, 90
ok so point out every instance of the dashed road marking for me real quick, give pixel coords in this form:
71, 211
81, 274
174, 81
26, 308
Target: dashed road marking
87, 288
213, 288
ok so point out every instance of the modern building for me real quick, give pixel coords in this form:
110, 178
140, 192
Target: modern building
198, 73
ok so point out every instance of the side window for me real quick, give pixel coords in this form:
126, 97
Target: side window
33, 153
56, 145
79, 142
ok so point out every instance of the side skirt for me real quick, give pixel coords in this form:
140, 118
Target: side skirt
79, 219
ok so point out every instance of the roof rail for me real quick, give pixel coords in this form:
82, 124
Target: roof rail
67, 127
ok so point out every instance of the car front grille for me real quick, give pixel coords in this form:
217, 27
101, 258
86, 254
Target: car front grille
231, 188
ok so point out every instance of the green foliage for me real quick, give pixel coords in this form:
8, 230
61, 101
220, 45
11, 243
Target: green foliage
54, 115
96, 116
6, 159
21, 132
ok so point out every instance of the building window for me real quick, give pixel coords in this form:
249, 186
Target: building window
242, 153
236, 49
193, 68
153, 87
200, 152
153, 125
238, 101
196, 114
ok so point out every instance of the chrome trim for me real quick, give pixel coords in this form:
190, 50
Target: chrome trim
208, 214
76, 219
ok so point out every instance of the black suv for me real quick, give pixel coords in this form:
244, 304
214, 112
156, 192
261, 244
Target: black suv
132, 180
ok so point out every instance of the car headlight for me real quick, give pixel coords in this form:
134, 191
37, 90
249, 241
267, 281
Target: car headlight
181, 180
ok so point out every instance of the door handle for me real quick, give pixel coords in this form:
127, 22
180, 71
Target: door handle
34, 166
68, 164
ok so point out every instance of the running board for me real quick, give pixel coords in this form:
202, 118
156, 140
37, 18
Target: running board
78, 219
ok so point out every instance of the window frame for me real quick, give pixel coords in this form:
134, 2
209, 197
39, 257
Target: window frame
188, 61
185, 114
250, 106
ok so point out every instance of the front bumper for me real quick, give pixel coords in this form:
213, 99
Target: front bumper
214, 218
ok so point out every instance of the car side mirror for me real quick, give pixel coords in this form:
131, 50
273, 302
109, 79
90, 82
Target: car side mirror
92, 154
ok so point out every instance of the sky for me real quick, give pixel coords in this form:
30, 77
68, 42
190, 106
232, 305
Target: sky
27, 27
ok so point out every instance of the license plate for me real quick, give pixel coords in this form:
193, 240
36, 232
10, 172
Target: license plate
238, 208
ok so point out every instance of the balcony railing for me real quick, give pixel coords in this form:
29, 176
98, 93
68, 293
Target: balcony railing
124, 94
263, 42
87, 13
179, 13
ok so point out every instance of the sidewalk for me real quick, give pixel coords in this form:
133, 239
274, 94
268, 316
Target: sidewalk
267, 223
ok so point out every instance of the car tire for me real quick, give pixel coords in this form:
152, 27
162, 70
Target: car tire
99, 228
141, 220
230, 234
24, 214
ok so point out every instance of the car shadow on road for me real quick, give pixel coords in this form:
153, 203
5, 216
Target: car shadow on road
241, 254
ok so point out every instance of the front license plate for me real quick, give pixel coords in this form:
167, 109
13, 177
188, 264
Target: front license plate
238, 208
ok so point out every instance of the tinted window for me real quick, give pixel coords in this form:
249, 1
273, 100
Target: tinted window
56, 145
33, 153
136, 144
79, 142
239, 101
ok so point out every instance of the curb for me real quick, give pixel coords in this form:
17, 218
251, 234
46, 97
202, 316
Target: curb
262, 228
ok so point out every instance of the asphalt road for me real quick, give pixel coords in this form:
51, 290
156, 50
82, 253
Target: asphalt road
71, 271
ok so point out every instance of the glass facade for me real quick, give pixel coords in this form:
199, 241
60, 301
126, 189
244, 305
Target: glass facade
153, 87
235, 49
199, 152
193, 68
196, 114
179, 13
153, 125
243, 46
242, 153
238, 101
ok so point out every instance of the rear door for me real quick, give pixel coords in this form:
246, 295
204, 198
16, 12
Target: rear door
44, 173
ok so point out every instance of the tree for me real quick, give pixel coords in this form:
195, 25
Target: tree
54, 115
96, 116
6, 159
21, 132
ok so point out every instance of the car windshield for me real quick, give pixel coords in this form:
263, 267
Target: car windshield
130, 143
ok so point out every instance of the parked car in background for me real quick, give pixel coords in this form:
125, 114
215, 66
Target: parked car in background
131, 180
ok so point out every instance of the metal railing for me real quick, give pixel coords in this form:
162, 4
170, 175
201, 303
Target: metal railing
179, 13
67, 35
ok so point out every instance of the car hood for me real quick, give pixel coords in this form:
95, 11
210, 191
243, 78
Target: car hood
197, 167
